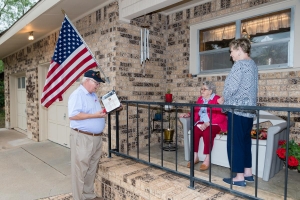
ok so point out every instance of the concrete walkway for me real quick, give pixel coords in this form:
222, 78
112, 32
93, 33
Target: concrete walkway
32, 170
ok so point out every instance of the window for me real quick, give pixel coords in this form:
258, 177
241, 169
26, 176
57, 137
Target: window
269, 34
270, 37
225, 4
214, 46
21, 82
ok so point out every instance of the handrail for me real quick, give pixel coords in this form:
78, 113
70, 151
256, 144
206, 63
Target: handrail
271, 108
188, 106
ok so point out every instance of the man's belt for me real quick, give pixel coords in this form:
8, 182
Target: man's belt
87, 133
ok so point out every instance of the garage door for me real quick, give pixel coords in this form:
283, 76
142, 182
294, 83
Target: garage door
58, 121
21, 104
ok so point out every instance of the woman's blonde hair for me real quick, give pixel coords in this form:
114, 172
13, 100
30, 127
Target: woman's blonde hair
244, 43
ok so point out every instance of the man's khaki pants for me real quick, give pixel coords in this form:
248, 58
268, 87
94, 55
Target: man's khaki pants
85, 156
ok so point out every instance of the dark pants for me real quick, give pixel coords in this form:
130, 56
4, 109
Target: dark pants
241, 153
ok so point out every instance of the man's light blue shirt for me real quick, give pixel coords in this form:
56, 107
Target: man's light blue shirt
81, 101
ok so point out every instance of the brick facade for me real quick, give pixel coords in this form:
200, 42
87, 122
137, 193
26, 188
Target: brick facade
116, 46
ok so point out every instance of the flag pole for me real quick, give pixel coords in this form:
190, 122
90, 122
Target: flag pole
98, 65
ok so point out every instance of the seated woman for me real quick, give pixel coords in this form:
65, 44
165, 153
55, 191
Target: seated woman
202, 122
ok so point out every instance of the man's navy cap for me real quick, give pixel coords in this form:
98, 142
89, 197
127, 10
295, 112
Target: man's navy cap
94, 75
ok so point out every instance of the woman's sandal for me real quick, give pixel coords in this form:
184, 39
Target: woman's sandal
189, 164
203, 167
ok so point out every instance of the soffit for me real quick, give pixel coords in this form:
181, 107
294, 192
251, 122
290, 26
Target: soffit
44, 18
184, 4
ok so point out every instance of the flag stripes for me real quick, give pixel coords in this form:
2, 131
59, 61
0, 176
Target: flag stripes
64, 76
71, 59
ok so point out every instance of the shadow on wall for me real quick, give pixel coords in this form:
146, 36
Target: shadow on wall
2, 98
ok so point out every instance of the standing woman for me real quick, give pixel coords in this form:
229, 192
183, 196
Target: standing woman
240, 89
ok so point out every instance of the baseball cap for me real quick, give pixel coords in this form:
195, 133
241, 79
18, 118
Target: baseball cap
94, 75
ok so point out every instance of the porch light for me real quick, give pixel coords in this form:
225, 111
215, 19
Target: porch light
30, 37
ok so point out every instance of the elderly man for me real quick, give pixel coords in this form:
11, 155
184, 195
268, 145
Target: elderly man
87, 121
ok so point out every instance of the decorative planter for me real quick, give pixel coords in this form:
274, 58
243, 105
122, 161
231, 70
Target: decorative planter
169, 98
168, 135
157, 116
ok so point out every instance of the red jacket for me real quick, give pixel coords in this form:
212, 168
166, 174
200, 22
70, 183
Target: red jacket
218, 117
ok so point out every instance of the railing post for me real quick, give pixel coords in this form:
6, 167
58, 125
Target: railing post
210, 141
231, 147
127, 128
137, 131
287, 154
162, 138
109, 135
257, 144
117, 131
192, 182
176, 138
149, 133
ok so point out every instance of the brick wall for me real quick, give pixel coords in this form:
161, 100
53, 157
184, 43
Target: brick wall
116, 47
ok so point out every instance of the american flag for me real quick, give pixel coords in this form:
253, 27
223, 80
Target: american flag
70, 60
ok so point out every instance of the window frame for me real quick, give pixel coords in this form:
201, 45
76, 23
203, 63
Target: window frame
194, 67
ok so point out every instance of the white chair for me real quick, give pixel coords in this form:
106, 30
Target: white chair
268, 162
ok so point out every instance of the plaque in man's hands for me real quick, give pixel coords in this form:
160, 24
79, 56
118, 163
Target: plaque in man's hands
110, 101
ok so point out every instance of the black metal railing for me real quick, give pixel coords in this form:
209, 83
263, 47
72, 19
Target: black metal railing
138, 111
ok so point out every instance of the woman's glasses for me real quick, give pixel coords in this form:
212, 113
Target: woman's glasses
203, 89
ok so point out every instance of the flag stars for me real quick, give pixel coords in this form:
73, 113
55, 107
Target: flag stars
68, 42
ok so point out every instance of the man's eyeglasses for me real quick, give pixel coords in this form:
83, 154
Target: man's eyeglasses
97, 84
203, 89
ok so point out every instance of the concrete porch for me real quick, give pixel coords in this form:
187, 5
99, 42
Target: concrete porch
266, 189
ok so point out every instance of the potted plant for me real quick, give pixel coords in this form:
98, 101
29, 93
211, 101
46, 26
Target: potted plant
158, 115
294, 154
168, 96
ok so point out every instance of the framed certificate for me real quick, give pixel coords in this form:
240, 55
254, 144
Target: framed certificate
110, 101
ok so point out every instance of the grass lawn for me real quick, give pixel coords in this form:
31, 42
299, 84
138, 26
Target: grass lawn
2, 119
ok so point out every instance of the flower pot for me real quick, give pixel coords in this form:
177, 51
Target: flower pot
157, 116
168, 98
168, 135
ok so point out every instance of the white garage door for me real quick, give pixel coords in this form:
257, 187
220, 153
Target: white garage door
21, 104
58, 120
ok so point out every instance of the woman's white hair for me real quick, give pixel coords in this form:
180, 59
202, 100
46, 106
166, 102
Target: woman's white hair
210, 85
